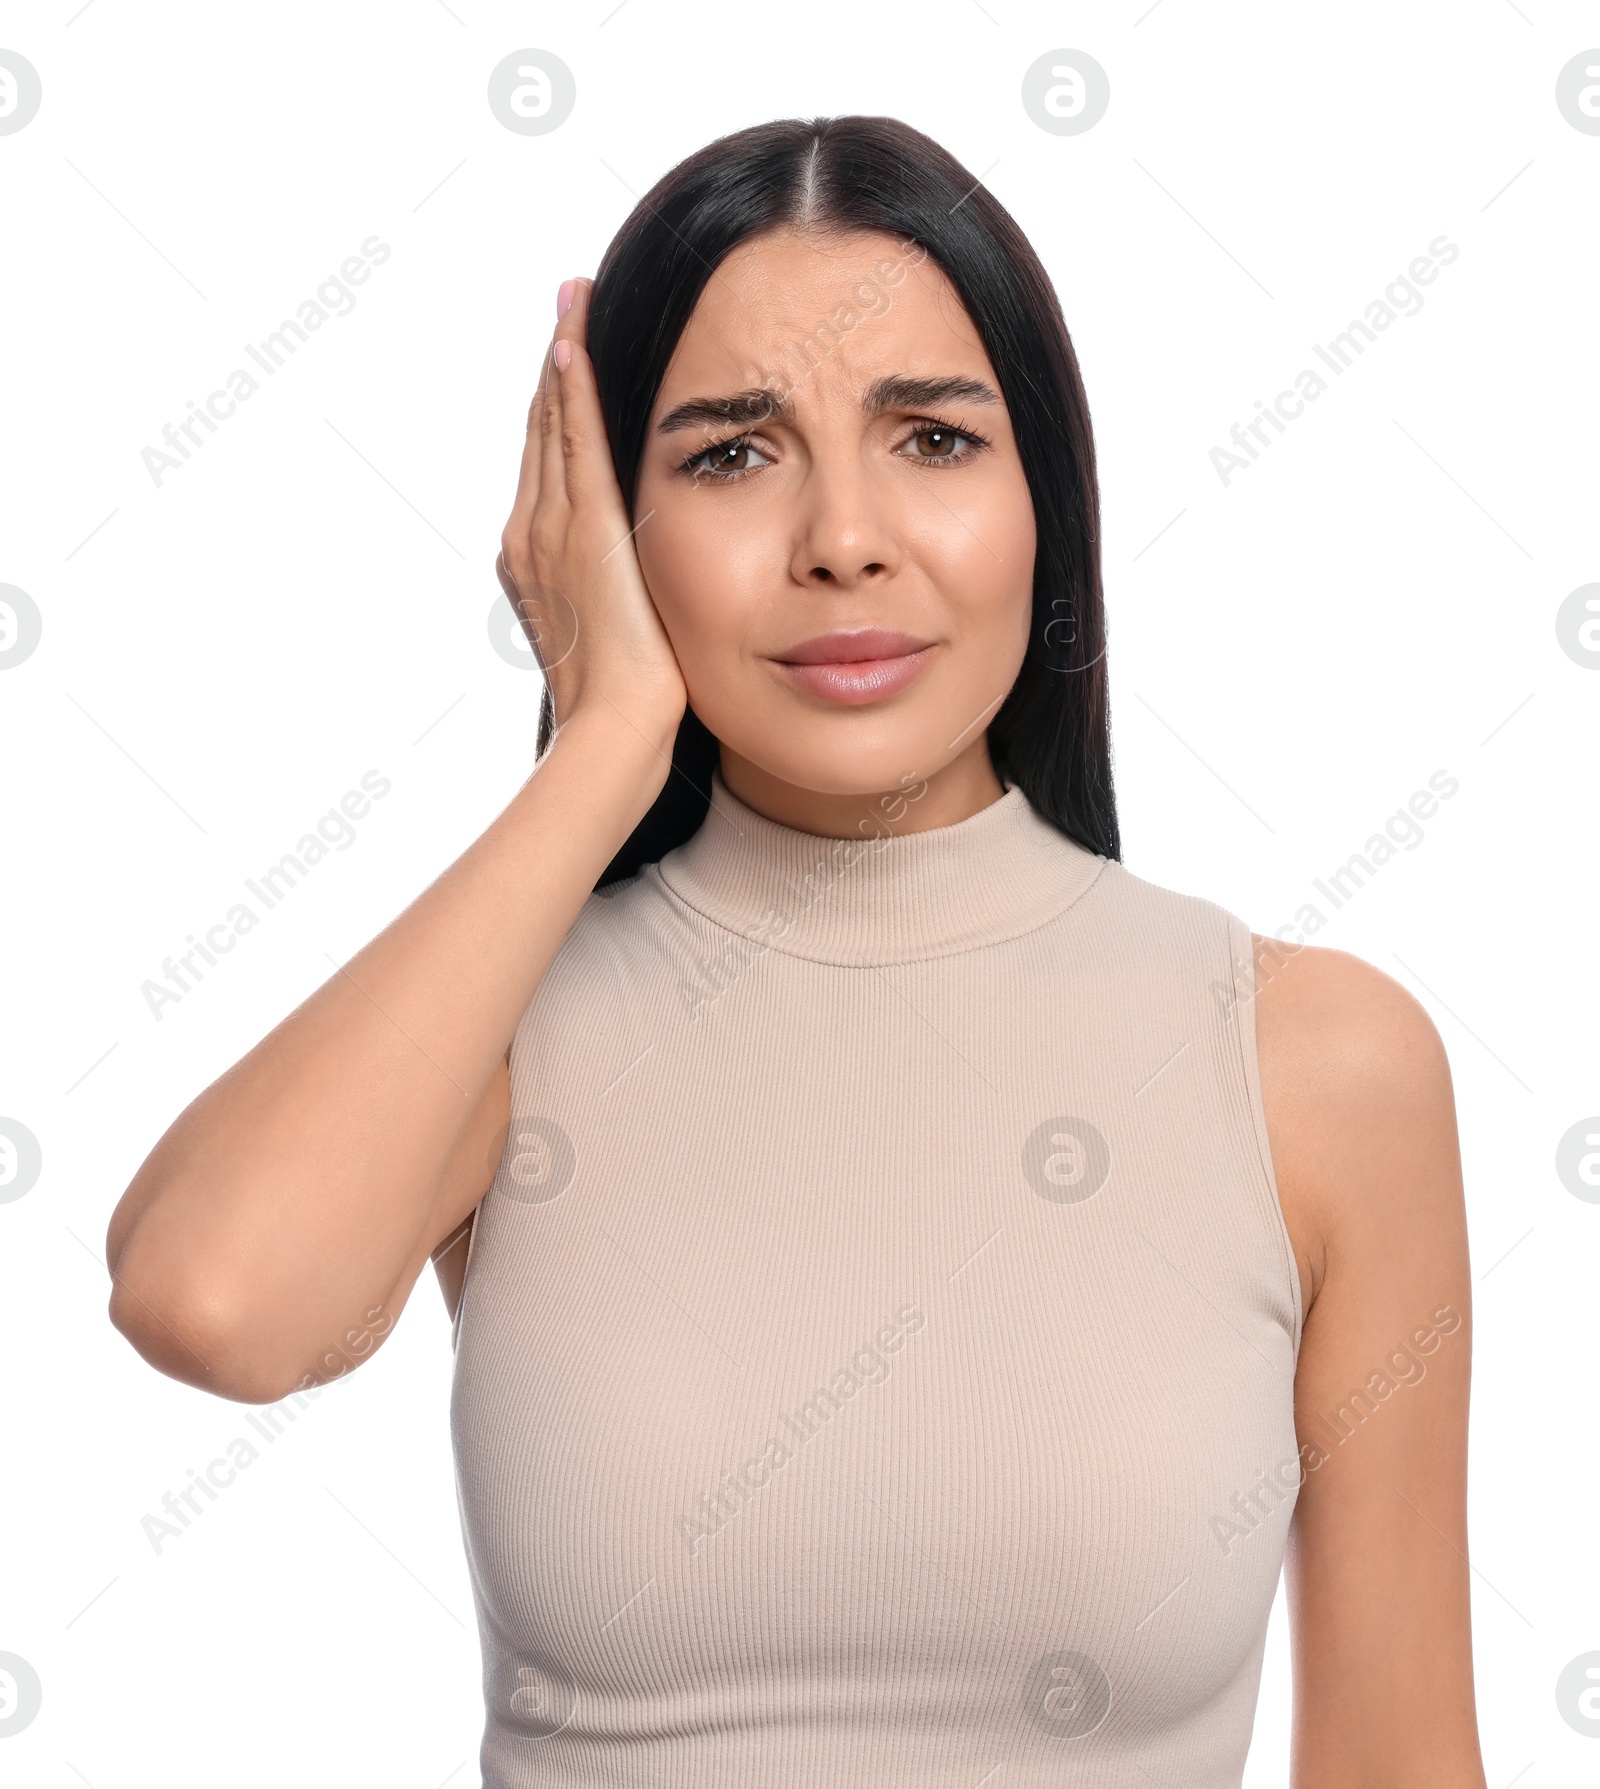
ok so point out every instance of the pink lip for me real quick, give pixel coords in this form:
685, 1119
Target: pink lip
850, 649
856, 667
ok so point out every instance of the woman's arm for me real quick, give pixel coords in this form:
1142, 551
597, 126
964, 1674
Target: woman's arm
304, 1190
1361, 1121
293, 1204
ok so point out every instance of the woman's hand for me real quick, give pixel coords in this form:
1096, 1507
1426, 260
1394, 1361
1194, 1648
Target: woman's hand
299, 1197
567, 561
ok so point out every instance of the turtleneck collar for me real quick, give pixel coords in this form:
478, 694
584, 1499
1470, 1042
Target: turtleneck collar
895, 899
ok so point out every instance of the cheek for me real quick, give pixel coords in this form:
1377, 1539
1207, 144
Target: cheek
991, 585
702, 579
983, 557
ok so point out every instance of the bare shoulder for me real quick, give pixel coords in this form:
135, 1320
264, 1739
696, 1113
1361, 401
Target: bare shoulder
1360, 1115
1342, 1014
1359, 1104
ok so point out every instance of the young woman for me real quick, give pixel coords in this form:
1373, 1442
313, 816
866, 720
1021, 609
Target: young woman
914, 1281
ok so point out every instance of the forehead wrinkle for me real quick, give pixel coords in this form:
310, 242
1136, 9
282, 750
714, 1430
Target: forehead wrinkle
772, 403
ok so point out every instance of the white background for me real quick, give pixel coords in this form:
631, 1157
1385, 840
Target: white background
307, 599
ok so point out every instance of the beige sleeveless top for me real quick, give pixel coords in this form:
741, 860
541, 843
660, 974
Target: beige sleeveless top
875, 1365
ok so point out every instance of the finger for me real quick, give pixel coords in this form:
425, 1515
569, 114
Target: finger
589, 469
552, 495
573, 327
515, 534
590, 472
528, 473
528, 481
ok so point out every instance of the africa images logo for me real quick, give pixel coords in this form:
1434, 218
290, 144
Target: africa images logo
333, 298
1400, 298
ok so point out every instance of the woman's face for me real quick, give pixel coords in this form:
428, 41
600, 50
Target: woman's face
829, 453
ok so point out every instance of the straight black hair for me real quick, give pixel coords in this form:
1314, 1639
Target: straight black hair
1051, 735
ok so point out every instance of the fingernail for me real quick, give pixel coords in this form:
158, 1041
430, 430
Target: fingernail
561, 355
564, 298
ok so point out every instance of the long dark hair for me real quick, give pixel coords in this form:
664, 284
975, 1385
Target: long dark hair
1051, 735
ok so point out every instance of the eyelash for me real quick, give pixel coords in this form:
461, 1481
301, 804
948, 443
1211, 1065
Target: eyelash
924, 425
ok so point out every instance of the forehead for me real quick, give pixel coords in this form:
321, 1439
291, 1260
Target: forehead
803, 309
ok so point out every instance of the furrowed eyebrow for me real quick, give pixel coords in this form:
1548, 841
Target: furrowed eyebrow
898, 391
895, 391
741, 408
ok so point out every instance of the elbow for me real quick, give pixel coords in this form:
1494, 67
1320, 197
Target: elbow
197, 1340
228, 1316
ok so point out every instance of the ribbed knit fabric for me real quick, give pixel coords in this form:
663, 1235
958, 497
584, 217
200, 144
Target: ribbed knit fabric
875, 1365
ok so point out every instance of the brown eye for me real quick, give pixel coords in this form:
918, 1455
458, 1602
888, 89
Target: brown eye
726, 460
937, 443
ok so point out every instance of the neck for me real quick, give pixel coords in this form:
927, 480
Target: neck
912, 803
880, 894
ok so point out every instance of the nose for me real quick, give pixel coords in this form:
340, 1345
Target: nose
845, 531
